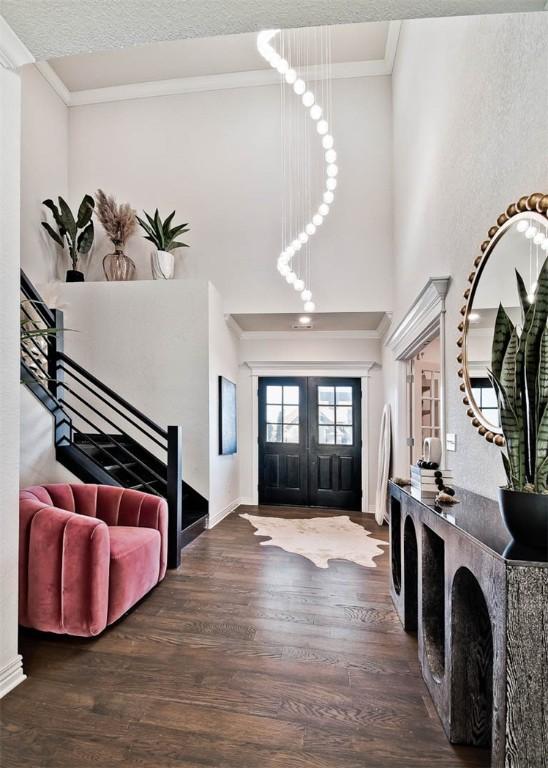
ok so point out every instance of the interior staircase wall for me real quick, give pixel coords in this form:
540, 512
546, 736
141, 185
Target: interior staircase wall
148, 340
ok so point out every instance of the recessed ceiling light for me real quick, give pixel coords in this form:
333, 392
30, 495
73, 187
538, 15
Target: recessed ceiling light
473, 317
304, 319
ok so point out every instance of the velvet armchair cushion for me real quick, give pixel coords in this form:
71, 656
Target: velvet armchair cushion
87, 553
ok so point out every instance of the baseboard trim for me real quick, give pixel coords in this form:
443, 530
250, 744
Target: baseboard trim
215, 519
11, 675
247, 501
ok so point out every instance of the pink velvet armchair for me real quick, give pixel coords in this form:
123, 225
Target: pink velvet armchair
87, 553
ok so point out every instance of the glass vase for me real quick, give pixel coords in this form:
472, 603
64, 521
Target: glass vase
118, 266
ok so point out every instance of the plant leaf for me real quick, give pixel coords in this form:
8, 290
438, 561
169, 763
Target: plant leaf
542, 382
512, 428
53, 234
175, 244
159, 230
167, 223
85, 239
542, 476
145, 226
178, 230
523, 296
507, 469
56, 215
541, 464
501, 337
533, 329
68, 219
85, 211
150, 219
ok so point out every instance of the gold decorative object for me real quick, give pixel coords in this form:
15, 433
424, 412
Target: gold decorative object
118, 266
533, 206
445, 498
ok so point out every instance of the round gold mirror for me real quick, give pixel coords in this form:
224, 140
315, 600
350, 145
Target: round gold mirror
518, 241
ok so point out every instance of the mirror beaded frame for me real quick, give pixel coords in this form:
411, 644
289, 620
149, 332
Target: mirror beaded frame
537, 204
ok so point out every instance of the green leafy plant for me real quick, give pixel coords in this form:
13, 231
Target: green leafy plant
519, 374
77, 233
162, 234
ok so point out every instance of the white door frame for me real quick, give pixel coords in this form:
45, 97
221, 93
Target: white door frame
424, 321
358, 369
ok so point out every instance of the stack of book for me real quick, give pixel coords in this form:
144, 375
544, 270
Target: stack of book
425, 482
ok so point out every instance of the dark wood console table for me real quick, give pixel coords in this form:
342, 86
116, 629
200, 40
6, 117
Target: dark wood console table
479, 606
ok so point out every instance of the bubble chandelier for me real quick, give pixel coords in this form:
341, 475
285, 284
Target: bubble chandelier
304, 56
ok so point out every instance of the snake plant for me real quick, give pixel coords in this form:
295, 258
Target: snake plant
162, 234
519, 374
77, 232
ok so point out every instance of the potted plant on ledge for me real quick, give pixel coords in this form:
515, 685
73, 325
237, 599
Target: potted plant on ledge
163, 236
519, 375
78, 233
119, 223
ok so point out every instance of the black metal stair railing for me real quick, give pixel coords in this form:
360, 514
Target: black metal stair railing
99, 434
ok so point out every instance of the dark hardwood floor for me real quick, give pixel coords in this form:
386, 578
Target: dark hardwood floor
247, 657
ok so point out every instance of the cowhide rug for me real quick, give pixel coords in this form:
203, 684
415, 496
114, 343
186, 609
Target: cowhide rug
320, 539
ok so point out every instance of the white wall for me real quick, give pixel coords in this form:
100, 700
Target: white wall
215, 157
37, 450
44, 174
148, 340
162, 346
469, 104
224, 490
306, 348
11, 672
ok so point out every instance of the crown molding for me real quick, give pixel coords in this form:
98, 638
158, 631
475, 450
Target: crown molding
51, 76
296, 334
233, 325
227, 80
391, 47
384, 325
421, 322
13, 53
312, 368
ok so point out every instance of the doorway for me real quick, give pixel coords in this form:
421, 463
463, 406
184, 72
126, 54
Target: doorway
310, 447
424, 397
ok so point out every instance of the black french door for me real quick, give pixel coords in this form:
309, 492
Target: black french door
310, 442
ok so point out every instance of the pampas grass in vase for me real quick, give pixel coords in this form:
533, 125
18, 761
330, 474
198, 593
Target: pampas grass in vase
119, 222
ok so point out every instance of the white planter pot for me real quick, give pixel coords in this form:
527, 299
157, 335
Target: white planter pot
163, 265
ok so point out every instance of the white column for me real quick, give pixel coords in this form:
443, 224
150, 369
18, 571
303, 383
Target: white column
12, 55
255, 437
365, 443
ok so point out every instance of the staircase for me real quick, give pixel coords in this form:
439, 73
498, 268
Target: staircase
99, 436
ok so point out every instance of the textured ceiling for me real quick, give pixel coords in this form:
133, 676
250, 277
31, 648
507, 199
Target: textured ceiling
52, 28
